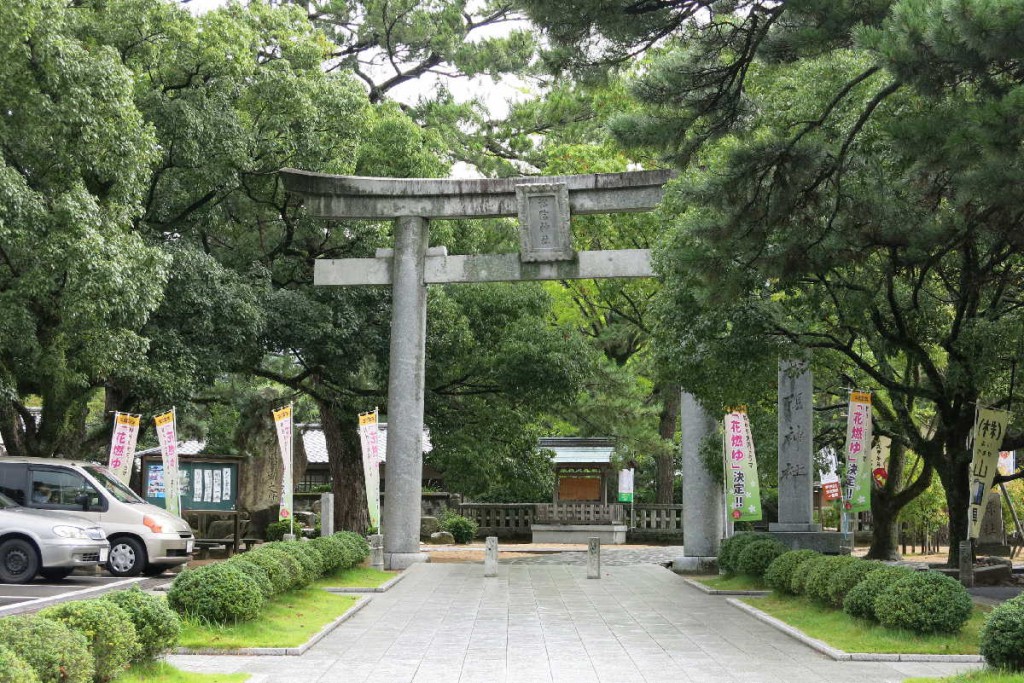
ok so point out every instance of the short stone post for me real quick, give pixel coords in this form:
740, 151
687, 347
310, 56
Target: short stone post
966, 564
491, 556
326, 514
377, 551
702, 493
594, 558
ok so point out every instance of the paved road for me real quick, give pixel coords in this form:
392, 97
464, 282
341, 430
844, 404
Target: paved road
28, 597
535, 623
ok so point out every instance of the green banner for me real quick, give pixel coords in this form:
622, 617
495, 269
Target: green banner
743, 490
857, 493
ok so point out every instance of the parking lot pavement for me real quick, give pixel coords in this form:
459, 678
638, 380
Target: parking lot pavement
29, 597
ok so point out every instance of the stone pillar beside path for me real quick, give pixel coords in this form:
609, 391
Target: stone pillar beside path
796, 527
594, 558
491, 556
702, 494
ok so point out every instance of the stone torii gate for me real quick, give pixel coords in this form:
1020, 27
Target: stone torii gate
543, 206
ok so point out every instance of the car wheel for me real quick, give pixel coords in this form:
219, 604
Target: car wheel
127, 557
19, 561
56, 573
155, 569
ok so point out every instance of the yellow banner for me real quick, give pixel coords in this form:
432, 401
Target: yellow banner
367, 419
128, 420
860, 397
165, 419
282, 413
989, 427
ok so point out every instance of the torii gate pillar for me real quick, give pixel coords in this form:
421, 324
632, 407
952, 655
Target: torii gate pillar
543, 206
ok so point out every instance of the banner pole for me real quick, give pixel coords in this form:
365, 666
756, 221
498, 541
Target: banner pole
291, 456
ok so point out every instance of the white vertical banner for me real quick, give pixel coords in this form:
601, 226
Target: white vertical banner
626, 485
169, 450
370, 438
989, 427
122, 445
283, 422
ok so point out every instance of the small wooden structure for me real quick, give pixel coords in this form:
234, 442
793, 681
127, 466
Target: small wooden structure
580, 510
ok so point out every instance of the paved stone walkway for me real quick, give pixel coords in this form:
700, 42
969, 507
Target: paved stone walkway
610, 556
447, 623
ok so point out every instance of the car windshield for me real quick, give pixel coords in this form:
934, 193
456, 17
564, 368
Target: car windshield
6, 502
113, 486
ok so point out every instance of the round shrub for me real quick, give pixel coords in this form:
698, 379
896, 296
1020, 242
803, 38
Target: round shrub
821, 576
215, 593
860, 600
293, 571
14, 669
108, 629
757, 556
255, 572
156, 625
728, 554
311, 566
275, 531
1002, 636
54, 651
779, 574
462, 529
331, 550
925, 602
798, 584
358, 548
273, 566
848, 576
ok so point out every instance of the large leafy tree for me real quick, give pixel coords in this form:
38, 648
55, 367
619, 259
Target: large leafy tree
859, 198
76, 282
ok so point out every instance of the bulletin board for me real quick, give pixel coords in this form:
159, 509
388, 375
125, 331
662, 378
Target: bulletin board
206, 483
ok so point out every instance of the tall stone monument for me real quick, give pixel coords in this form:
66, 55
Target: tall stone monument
796, 527
543, 206
702, 494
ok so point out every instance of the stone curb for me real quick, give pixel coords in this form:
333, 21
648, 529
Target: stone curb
842, 656
278, 651
714, 591
355, 589
39, 603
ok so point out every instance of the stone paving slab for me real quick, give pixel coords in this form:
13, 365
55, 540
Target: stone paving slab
533, 623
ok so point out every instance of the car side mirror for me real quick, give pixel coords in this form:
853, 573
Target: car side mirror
83, 500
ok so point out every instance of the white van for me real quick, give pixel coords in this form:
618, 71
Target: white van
143, 538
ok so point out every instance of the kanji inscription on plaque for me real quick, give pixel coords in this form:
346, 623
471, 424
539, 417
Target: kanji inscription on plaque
544, 222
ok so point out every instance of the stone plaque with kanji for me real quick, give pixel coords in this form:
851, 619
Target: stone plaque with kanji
544, 222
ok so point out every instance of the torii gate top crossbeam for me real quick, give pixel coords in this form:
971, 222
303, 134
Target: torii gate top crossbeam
334, 196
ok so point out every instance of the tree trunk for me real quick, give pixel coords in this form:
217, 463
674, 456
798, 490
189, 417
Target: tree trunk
346, 463
666, 461
885, 510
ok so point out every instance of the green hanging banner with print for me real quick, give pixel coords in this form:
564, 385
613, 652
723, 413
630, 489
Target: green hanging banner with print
857, 493
743, 491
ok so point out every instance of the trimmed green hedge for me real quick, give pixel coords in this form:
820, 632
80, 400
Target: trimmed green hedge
779, 574
847, 578
756, 557
54, 651
925, 602
235, 590
803, 571
156, 625
218, 593
107, 628
14, 669
1002, 636
860, 600
729, 552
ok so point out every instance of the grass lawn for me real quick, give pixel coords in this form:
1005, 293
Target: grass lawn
288, 620
732, 582
850, 634
162, 672
981, 676
357, 577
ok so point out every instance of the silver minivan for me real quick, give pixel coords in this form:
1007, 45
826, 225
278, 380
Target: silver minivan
46, 542
143, 538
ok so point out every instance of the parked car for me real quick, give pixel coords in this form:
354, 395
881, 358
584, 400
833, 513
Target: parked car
143, 538
50, 543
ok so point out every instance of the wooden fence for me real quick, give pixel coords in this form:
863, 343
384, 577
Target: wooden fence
516, 519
